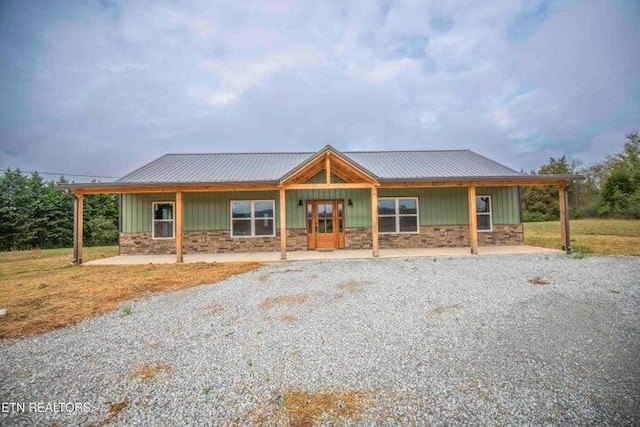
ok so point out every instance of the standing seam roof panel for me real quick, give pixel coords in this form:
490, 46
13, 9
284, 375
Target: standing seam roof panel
271, 167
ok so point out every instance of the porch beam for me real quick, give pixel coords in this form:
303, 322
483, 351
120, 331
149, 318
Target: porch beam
179, 215
564, 218
374, 221
497, 183
283, 224
337, 185
174, 189
473, 220
78, 213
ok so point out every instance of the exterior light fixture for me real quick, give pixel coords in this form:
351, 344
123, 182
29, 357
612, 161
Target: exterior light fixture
350, 202
300, 203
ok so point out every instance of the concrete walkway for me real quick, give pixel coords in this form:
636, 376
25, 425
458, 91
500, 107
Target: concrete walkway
319, 255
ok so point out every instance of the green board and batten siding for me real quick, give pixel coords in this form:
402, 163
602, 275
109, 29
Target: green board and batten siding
450, 206
211, 211
136, 210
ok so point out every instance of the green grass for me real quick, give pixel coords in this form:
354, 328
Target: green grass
599, 236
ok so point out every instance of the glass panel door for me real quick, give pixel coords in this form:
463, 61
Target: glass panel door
325, 218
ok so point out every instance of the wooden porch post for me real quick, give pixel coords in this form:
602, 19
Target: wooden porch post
564, 218
374, 221
283, 224
179, 215
473, 220
78, 212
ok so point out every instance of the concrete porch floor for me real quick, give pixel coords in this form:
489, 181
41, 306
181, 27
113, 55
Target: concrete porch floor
319, 255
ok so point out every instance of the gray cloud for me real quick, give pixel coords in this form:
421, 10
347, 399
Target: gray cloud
102, 88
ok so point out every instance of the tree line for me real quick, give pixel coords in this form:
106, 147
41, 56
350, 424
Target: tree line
611, 188
33, 214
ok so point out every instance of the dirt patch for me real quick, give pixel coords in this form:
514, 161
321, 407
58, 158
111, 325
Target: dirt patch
263, 278
116, 408
73, 293
147, 373
154, 346
114, 411
284, 300
446, 308
213, 308
537, 280
352, 286
289, 318
305, 409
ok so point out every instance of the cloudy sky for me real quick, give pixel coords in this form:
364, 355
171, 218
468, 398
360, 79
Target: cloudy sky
102, 87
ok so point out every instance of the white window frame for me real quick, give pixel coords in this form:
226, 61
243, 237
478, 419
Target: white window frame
252, 219
397, 215
489, 214
153, 220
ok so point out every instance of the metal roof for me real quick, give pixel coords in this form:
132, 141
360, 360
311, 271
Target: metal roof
216, 167
272, 167
414, 165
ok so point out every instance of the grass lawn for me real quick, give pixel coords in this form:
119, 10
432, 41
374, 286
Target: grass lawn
600, 236
42, 290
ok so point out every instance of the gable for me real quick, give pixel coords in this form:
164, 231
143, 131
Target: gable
332, 163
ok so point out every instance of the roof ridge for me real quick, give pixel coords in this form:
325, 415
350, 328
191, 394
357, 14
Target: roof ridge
407, 151
227, 153
239, 152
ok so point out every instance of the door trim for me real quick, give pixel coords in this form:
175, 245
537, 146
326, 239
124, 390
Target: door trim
317, 240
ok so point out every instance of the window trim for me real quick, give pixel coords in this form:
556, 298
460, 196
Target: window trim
153, 219
252, 218
398, 215
489, 214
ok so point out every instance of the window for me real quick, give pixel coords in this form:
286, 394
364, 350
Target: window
483, 213
398, 215
163, 220
251, 218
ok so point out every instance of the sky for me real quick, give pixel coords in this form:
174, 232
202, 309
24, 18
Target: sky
102, 87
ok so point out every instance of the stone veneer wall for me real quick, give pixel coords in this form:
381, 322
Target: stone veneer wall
453, 236
209, 242
143, 244
508, 234
355, 238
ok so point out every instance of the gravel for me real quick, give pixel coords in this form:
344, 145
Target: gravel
431, 341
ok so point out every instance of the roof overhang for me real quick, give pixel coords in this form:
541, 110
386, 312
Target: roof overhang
515, 181
169, 187
164, 187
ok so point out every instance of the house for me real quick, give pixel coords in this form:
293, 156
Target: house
246, 202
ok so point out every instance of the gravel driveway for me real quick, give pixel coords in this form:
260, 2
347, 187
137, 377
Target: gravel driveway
388, 341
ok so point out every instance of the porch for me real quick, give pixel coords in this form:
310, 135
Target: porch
340, 254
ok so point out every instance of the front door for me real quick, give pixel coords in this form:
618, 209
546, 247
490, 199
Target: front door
325, 224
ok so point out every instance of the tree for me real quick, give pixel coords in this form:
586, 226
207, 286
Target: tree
587, 193
541, 203
101, 225
620, 195
33, 214
18, 196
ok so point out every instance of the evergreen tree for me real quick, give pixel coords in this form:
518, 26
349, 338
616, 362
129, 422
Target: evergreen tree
541, 203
